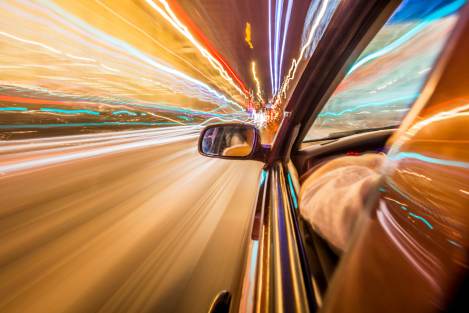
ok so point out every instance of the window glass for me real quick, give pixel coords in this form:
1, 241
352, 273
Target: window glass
387, 77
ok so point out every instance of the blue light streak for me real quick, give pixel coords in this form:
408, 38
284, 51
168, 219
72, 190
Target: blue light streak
292, 191
427, 223
278, 18
255, 252
263, 177
71, 111
124, 112
13, 109
158, 107
182, 117
417, 156
270, 47
420, 218
368, 105
449, 9
285, 33
22, 126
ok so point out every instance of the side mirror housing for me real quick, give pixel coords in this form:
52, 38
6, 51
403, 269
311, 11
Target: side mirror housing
235, 141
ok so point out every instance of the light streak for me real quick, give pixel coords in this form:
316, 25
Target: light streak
259, 118
182, 117
147, 35
277, 49
253, 262
109, 68
13, 109
394, 200
454, 243
422, 261
167, 13
450, 8
367, 105
405, 208
86, 30
121, 202
278, 16
424, 158
49, 142
270, 47
220, 119
54, 159
247, 36
415, 174
263, 177
295, 62
397, 71
29, 126
422, 219
156, 106
124, 112
94, 66
72, 111
166, 118
285, 33
209, 47
459, 111
31, 42
256, 79
292, 191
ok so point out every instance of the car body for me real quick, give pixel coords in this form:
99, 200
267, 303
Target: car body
409, 252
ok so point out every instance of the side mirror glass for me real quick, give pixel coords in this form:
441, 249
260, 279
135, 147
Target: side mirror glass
230, 141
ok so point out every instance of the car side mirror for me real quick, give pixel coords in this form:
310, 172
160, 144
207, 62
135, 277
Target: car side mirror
231, 141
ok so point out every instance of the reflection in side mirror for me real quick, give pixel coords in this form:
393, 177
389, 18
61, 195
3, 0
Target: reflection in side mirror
236, 141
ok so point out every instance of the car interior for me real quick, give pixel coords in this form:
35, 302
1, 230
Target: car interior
321, 257
308, 154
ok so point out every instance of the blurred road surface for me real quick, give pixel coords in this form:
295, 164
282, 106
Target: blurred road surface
132, 221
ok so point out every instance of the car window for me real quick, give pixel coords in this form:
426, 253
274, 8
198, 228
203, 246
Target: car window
381, 85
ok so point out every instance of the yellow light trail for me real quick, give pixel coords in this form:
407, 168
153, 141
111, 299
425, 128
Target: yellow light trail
169, 51
256, 79
247, 37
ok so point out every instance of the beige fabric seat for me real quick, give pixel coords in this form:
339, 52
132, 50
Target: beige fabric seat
333, 195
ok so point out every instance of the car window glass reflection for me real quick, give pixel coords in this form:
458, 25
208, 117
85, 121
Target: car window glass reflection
384, 82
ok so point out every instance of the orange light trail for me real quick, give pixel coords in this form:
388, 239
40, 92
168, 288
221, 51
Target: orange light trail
248, 38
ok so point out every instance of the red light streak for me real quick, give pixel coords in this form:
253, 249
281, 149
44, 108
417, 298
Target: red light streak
196, 32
